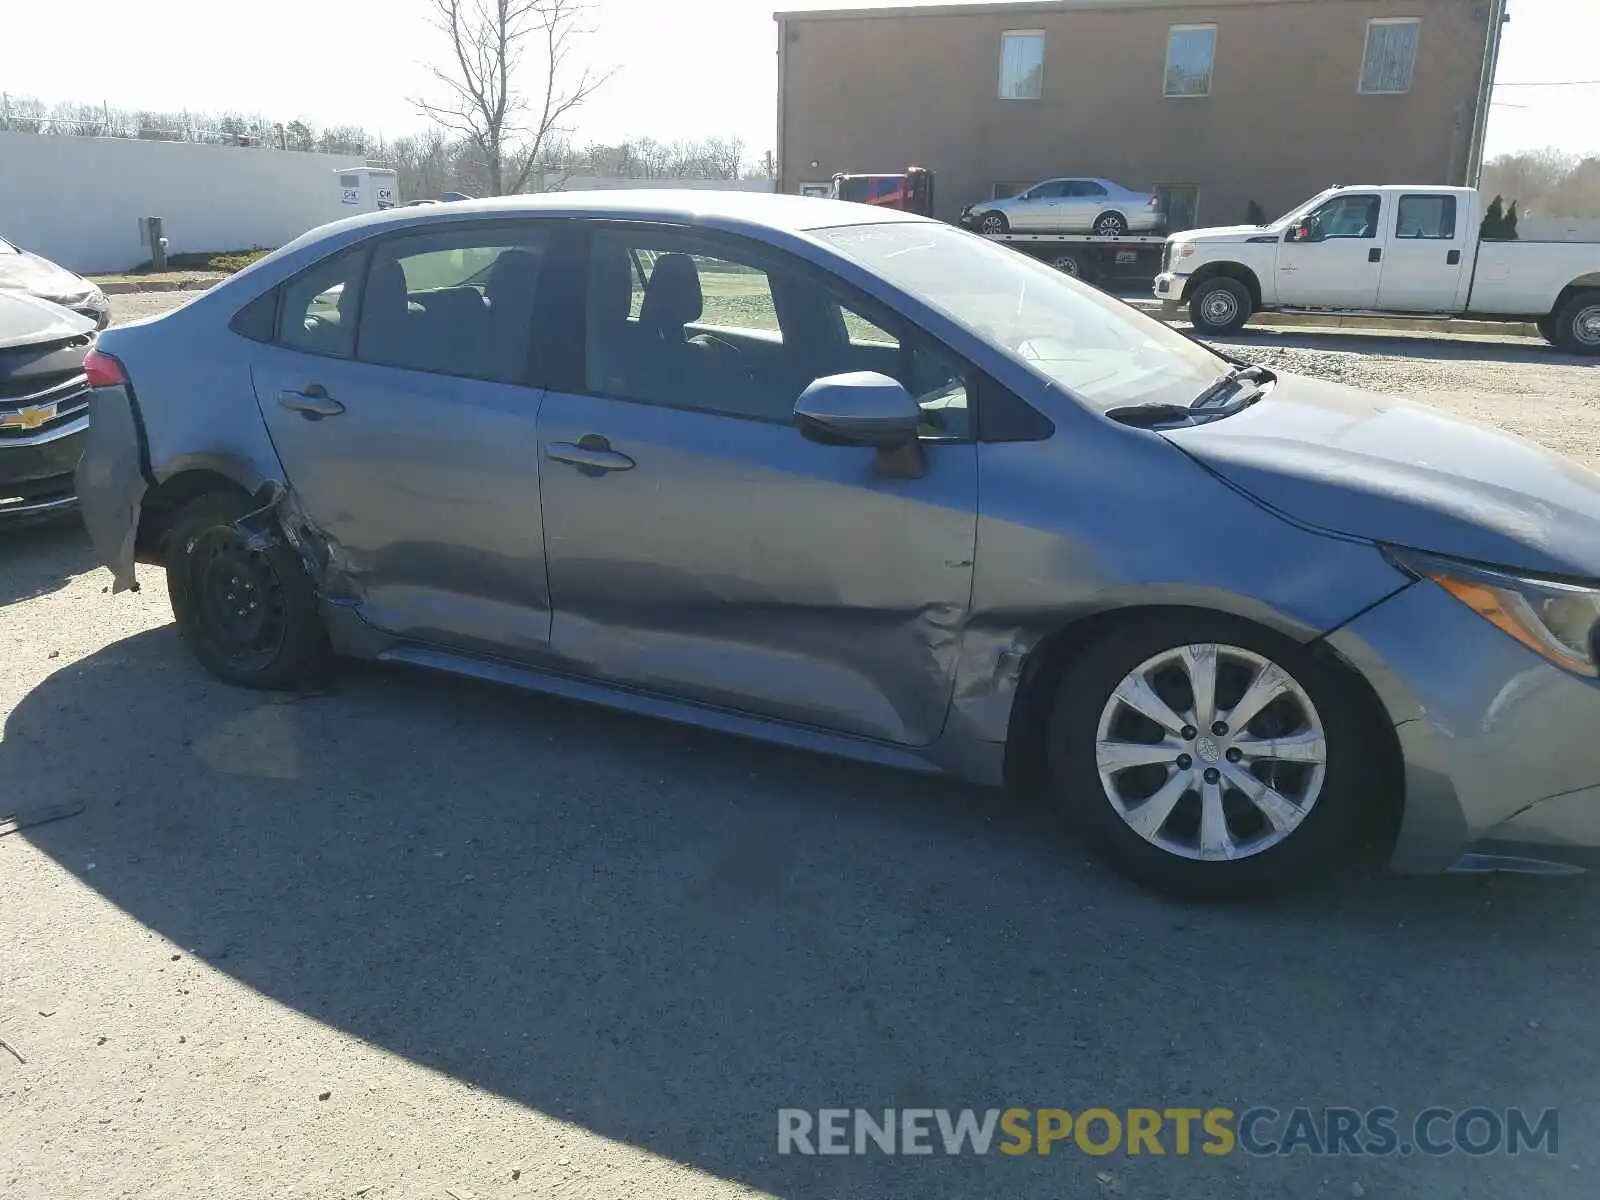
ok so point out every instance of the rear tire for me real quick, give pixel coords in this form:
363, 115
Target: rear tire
1306, 753
1219, 306
1071, 264
1111, 224
251, 617
1577, 325
993, 223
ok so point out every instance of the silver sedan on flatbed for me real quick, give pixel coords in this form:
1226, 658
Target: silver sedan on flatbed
862, 482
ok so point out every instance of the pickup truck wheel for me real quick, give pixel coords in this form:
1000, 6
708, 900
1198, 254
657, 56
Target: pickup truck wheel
994, 222
1578, 325
1206, 757
1219, 306
1111, 224
249, 614
1547, 330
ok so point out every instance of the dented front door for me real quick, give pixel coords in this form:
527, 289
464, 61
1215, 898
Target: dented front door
735, 563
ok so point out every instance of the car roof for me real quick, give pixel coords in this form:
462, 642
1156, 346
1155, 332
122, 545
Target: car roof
686, 206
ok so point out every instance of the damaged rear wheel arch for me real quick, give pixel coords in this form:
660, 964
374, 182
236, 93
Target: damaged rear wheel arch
166, 500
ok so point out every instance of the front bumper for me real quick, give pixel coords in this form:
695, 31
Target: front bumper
111, 482
36, 473
1169, 286
1499, 744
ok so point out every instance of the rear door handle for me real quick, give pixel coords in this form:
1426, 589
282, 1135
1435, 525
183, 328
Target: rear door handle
1375, 255
313, 404
591, 451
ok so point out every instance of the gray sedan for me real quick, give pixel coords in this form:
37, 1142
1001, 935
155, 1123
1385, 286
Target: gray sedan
1096, 206
861, 482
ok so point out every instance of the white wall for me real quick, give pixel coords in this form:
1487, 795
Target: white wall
78, 200
604, 183
1558, 229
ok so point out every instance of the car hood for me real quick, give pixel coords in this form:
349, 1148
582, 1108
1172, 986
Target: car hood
1225, 233
1388, 470
26, 320
29, 273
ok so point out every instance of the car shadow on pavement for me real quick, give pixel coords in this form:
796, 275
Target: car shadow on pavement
665, 936
1418, 345
38, 559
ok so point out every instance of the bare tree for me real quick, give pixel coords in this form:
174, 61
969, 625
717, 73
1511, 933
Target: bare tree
490, 41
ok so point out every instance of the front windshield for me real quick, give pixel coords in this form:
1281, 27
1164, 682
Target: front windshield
1103, 351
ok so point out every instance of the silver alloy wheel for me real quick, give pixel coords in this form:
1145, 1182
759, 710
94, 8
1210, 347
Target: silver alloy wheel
1110, 225
1211, 752
1067, 265
993, 223
1586, 325
1220, 307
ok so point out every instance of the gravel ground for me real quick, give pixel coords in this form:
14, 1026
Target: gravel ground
420, 938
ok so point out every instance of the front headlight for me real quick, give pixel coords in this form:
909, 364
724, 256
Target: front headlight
1554, 618
1182, 250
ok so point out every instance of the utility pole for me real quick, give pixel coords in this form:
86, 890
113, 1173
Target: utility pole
1498, 16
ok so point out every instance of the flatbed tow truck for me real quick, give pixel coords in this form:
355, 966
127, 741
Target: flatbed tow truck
1130, 260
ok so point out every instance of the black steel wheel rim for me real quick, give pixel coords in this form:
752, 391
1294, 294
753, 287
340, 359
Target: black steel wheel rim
239, 603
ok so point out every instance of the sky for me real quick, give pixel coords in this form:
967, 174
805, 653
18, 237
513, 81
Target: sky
685, 68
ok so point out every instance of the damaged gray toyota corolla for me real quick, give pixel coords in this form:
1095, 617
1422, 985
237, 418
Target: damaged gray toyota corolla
865, 483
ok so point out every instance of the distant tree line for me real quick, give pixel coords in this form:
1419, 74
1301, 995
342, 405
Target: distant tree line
1544, 183
428, 164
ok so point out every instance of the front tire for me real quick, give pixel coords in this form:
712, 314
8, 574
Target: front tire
1206, 757
250, 616
1577, 325
1547, 330
992, 223
1219, 306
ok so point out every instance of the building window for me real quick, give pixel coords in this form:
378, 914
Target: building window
1021, 65
1390, 56
1180, 204
1189, 52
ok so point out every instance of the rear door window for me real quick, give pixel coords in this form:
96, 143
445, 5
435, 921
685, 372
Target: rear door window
456, 302
1432, 217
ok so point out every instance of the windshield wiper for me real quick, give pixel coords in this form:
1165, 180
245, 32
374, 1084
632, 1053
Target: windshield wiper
1222, 392
1149, 416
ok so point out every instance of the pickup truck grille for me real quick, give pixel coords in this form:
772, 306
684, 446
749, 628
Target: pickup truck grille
1166, 258
42, 388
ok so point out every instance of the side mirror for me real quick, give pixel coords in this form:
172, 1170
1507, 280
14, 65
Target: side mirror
1300, 233
860, 408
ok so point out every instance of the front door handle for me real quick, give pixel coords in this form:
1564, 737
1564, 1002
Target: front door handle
591, 451
1453, 258
1375, 255
313, 404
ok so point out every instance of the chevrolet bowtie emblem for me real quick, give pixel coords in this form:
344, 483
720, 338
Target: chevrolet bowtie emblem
28, 418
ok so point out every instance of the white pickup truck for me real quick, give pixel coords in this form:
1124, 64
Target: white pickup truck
1409, 250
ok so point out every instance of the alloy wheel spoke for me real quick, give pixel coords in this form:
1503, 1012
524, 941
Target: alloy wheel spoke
1138, 695
1200, 664
1215, 839
1147, 819
1306, 747
1114, 756
1270, 683
1281, 813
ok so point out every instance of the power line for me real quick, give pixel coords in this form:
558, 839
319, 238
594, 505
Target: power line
1561, 83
